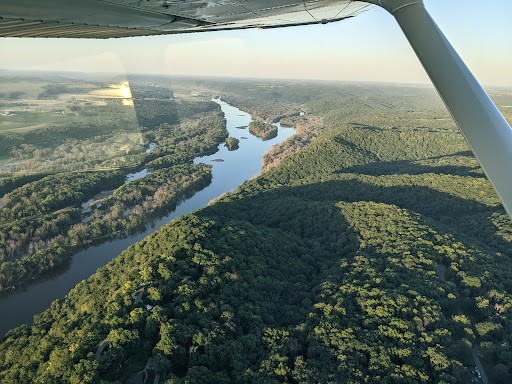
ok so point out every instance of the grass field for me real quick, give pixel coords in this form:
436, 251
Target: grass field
24, 121
44, 119
28, 104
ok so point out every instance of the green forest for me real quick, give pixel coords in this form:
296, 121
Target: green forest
232, 143
372, 250
263, 130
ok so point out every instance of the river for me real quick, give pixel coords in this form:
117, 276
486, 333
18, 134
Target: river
19, 306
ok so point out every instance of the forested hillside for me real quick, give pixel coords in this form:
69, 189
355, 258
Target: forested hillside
374, 252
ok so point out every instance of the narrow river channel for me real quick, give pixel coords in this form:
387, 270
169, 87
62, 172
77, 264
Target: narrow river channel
19, 306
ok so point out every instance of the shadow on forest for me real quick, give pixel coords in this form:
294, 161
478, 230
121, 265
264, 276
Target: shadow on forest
410, 167
281, 287
406, 167
153, 105
306, 240
371, 128
468, 217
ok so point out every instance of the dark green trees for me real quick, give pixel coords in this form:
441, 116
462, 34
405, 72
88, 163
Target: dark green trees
232, 143
263, 130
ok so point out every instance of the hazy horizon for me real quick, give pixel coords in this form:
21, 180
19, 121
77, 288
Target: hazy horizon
245, 78
368, 48
170, 75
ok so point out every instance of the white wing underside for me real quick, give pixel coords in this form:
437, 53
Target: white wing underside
122, 18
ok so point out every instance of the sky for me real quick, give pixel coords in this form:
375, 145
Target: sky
369, 47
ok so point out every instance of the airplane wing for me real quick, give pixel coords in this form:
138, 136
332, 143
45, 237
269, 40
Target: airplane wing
99, 19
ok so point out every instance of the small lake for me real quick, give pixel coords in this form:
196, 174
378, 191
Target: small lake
151, 147
19, 306
137, 175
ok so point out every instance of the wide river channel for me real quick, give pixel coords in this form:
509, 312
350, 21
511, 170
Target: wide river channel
20, 305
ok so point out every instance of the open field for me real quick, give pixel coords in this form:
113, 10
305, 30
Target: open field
24, 121
50, 123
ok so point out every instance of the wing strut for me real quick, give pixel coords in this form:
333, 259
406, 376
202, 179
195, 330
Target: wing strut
484, 127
